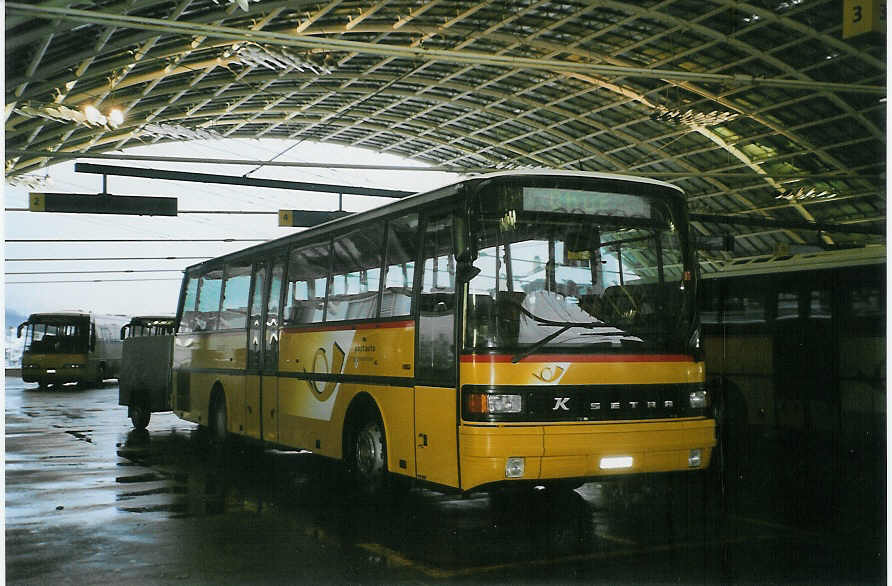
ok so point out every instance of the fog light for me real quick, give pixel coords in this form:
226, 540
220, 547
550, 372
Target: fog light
514, 468
616, 462
694, 458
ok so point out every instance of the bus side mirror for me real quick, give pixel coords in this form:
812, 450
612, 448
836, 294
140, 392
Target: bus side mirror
465, 251
92, 337
18, 332
124, 331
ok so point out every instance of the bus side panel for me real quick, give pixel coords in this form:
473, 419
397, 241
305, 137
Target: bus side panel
210, 358
745, 362
312, 409
145, 371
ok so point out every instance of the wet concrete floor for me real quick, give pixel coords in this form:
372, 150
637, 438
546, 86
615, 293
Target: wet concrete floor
90, 501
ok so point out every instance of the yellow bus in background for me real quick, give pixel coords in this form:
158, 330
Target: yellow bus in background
71, 346
518, 327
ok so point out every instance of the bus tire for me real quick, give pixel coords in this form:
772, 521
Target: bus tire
368, 457
140, 414
100, 375
217, 419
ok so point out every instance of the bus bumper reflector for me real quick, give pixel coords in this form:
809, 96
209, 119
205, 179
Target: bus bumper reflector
616, 462
514, 468
694, 458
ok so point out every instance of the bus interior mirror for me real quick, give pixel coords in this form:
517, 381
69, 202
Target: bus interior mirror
465, 271
582, 245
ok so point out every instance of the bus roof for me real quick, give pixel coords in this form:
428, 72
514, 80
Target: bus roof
423, 198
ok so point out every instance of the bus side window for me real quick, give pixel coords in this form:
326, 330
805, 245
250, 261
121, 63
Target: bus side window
187, 322
399, 275
236, 286
436, 322
307, 282
356, 275
209, 289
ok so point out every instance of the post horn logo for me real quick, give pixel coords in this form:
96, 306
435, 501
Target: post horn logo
321, 365
549, 374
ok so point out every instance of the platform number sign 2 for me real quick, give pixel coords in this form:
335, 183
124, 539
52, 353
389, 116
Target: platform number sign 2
863, 16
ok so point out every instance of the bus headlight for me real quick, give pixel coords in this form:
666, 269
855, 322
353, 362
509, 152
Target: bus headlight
483, 404
698, 399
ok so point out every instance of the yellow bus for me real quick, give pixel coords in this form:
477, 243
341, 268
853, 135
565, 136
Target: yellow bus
518, 327
71, 346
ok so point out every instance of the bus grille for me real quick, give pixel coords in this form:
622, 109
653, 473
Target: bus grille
593, 402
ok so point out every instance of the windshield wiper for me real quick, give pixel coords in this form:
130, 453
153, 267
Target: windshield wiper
564, 326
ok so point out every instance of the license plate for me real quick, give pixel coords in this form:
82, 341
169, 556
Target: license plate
616, 462
51, 371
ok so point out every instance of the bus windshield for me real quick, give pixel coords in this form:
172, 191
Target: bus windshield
578, 270
49, 335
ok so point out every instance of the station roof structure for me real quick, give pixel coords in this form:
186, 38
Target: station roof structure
769, 114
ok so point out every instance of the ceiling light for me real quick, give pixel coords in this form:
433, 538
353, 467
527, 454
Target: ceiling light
29, 182
274, 58
115, 117
93, 115
806, 193
243, 4
692, 117
178, 132
90, 116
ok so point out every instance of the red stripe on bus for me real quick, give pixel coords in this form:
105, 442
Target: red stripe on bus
362, 326
489, 358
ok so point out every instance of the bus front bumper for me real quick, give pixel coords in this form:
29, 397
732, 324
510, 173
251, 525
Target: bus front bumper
504, 454
54, 375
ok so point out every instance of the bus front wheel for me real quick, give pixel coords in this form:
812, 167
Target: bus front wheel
140, 415
218, 420
368, 458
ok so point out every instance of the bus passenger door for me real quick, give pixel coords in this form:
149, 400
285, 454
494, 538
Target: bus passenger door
255, 353
269, 385
436, 406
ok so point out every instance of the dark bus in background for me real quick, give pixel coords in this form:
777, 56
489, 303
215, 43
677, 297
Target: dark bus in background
795, 348
71, 346
144, 386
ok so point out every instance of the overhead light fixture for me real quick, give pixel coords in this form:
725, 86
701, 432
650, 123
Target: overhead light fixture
89, 116
806, 193
29, 182
178, 132
273, 58
243, 4
692, 117
115, 117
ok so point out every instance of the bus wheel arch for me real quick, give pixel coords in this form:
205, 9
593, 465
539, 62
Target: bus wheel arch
217, 414
364, 445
